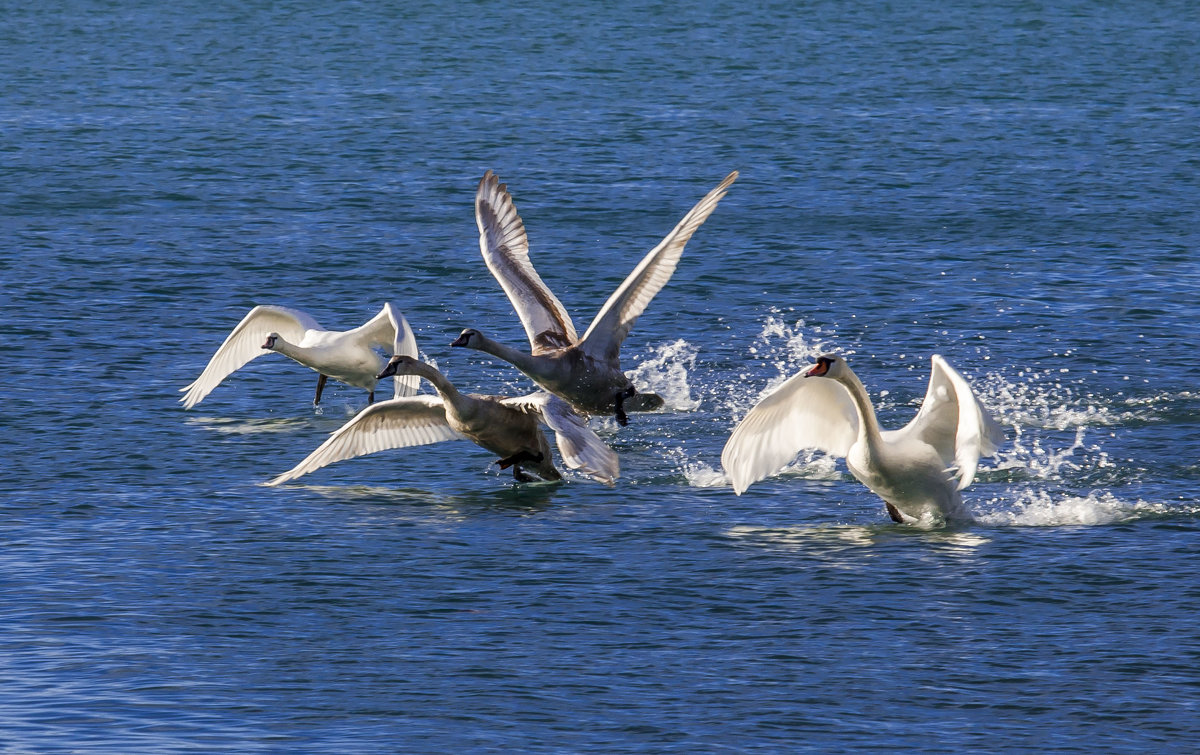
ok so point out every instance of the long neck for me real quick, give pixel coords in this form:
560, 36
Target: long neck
868, 425
527, 363
289, 349
444, 387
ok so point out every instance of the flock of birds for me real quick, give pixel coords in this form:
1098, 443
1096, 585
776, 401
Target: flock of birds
918, 470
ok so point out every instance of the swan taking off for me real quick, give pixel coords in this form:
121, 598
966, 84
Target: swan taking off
348, 356
507, 427
585, 371
917, 470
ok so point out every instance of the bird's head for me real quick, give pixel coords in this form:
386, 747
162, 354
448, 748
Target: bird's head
828, 365
270, 342
469, 338
398, 365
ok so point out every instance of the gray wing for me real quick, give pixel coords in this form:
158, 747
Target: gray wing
580, 448
615, 319
505, 249
244, 343
398, 423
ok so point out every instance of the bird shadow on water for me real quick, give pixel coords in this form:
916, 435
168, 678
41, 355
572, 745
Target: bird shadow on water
522, 499
852, 546
241, 426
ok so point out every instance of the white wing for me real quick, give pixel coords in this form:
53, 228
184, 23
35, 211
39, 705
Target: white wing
952, 420
581, 448
398, 423
390, 331
802, 413
505, 249
616, 318
245, 343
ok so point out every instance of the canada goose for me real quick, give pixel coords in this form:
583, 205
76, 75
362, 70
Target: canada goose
347, 356
507, 427
585, 371
917, 470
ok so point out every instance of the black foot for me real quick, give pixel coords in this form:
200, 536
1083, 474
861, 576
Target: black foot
370, 398
622, 418
519, 458
320, 388
520, 476
894, 513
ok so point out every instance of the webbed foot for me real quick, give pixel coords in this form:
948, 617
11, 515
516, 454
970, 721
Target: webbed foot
894, 513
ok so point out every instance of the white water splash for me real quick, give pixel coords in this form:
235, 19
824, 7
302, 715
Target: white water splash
800, 347
666, 373
702, 475
1038, 508
783, 348
811, 465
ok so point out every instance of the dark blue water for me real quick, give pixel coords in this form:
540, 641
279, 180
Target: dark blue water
1013, 186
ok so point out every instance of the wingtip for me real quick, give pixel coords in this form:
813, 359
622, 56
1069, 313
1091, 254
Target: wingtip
277, 481
489, 179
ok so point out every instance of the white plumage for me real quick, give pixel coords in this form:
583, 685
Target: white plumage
347, 356
918, 470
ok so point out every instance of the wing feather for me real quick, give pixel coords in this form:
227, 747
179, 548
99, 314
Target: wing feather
800, 414
398, 423
390, 331
505, 249
580, 448
954, 422
244, 343
618, 315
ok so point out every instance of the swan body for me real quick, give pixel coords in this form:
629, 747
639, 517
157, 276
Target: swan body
918, 470
347, 356
507, 427
586, 371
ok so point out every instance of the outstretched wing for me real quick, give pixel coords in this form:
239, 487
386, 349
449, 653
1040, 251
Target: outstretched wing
505, 249
245, 343
580, 448
615, 319
390, 331
954, 422
801, 413
398, 423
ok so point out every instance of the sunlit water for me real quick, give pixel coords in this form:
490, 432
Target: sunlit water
1013, 188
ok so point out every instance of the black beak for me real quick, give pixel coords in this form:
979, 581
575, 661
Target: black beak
461, 340
388, 371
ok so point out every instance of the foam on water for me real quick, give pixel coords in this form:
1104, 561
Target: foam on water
1041, 508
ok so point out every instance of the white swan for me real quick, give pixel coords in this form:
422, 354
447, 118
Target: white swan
507, 427
917, 470
585, 371
348, 356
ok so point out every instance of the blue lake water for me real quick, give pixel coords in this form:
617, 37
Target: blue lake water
1013, 186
